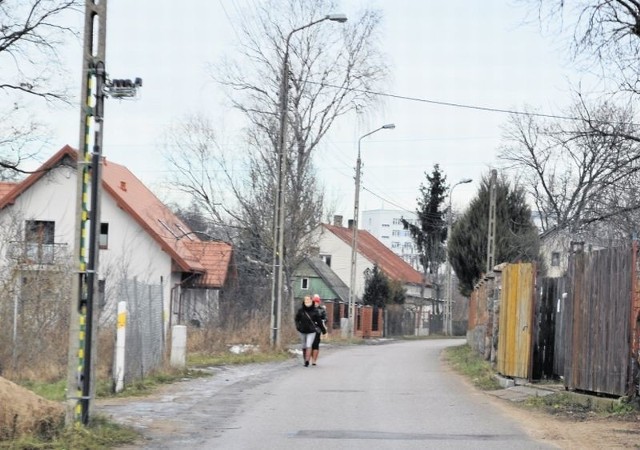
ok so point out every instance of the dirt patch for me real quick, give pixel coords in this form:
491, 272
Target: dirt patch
580, 431
23, 412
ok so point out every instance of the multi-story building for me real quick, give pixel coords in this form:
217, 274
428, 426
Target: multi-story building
386, 225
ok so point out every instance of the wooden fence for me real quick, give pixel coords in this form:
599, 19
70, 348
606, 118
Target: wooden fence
516, 320
584, 328
597, 319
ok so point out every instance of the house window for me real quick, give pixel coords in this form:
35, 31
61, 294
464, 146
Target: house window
104, 235
395, 232
397, 221
39, 231
39, 241
555, 259
326, 259
304, 284
385, 225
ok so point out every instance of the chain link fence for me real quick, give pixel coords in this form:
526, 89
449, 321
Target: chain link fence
145, 338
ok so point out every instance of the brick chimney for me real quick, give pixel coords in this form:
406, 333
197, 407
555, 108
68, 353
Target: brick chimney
337, 220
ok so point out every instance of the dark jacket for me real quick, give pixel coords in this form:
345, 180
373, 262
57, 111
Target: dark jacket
307, 318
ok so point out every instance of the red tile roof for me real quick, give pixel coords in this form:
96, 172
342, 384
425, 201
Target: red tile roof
190, 255
216, 257
158, 220
5, 187
375, 251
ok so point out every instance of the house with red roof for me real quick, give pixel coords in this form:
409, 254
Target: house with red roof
335, 247
140, 238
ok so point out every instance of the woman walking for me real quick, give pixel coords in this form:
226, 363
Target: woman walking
322, 311
308, 323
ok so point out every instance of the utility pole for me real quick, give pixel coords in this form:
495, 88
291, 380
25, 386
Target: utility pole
491, 245
277, 283
449, 304
83, 315
82, 339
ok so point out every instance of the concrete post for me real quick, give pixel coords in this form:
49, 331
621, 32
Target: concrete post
121, 335
179, 346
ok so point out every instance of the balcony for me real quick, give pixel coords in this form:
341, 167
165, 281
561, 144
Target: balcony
33, 253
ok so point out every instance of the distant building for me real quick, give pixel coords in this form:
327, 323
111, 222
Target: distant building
386, 226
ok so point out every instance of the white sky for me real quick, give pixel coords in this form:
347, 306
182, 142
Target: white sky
477, 52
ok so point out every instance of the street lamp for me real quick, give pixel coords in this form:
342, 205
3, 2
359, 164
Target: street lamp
448, 307
354, 241
279, 212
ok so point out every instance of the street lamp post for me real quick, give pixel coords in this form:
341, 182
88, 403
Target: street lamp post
279, 212
449, 305
354, 241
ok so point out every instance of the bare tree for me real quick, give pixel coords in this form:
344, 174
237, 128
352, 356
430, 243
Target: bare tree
31, 33
580, 173
605, 36
333, 68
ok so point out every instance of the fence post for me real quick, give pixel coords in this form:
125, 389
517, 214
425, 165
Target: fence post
179, 346
121, 335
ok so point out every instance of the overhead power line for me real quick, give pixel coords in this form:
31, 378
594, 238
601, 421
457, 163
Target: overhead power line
450, 104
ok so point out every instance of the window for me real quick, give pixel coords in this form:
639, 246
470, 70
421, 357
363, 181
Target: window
397, 221
39, 231
555, 259
395, 245
39, 241
385, 225
326, 259
395, 232
304, 284
104, 236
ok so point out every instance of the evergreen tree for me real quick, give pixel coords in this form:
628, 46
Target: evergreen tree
430, 231
516, 237
377, 291
398, 293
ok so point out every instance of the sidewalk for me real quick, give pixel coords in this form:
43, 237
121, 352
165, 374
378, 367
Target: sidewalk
520, 392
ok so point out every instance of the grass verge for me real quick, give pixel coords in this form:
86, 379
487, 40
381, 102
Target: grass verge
225, 359
468, 363
100, 434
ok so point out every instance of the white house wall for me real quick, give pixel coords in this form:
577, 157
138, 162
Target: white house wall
51, 199
131, 251
340, 253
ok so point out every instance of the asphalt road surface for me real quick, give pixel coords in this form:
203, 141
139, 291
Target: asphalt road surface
396, 395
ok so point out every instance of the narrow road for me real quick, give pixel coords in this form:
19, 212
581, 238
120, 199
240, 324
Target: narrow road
392, 396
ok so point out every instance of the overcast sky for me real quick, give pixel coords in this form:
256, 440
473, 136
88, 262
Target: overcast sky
473, 53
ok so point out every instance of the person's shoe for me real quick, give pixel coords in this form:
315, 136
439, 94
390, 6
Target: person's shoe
306, 363
313, 364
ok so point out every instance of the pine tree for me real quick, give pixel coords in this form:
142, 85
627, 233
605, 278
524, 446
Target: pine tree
516, 235
377, 291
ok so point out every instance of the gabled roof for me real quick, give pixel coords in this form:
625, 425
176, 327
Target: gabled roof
329, 277
5, 188
216, 257
379, 254
150, 213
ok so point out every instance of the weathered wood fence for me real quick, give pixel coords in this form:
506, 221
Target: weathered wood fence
584, 328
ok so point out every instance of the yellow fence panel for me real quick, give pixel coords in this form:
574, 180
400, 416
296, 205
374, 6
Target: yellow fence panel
515, 330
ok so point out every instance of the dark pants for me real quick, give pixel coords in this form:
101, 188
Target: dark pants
316, 342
